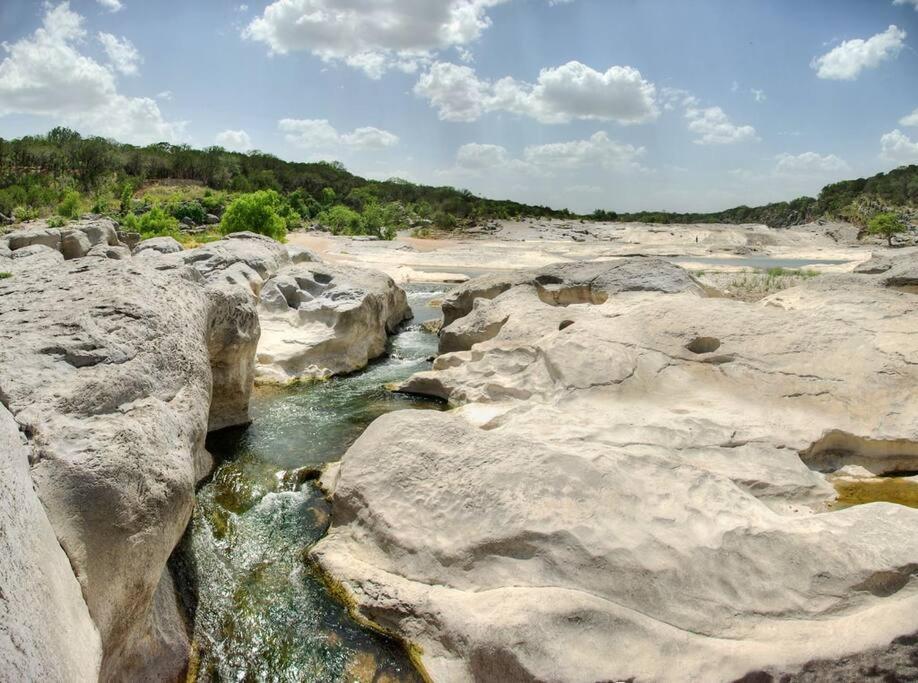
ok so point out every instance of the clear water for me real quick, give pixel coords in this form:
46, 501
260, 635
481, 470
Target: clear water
259, 610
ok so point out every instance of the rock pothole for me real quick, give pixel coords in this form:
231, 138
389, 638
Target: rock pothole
702, 345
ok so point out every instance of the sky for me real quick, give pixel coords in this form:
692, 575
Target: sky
622, 105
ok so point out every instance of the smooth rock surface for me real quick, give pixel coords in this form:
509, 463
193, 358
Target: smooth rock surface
634, 487
319, 320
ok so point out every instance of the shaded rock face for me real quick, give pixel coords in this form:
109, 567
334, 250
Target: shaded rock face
41, 607
115, 371
635, 488
319, 320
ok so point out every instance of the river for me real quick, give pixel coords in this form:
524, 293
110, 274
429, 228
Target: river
259, 611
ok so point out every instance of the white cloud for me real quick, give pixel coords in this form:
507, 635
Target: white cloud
848, 60
913, 3
910, 119
46, 75
165, 95
809, 164
898, 148
477, 157
111, 5
235, 140
372, 35
121, 52
561, 94
320, 138
714, 127
758, 95
598, 151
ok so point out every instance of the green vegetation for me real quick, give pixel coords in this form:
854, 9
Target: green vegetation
853, 200
785, 272
64, 173
258, 212
3, 276
886, 224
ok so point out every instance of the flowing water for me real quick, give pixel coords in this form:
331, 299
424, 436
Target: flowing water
259, 611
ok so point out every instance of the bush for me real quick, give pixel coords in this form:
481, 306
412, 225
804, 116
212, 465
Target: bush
341, 220
70, 205
57, 222
192, 210
3, 276
154, 223
446, 221
24, 213
258, 212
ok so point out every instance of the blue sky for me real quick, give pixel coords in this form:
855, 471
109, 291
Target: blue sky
618, 104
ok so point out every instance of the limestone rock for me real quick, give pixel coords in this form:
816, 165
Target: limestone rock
576, 282
74, 244
635, 485
106, 366
46, 632
158, 245
261, 254
27, 237
319, 320
36, 255
118, 253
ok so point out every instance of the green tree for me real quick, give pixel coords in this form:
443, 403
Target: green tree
257, 212
886, 224
341, 220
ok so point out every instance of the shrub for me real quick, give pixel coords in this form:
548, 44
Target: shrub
258, 212
154, 223
446, 221
189, 209
70, 205
3, 276
24, 213
57, 222
341, 220
886, 224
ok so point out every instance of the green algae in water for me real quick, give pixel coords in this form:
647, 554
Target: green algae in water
902, 490
259, 611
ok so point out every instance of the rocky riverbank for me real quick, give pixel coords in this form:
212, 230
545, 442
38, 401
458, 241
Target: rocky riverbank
113, 369
636, 480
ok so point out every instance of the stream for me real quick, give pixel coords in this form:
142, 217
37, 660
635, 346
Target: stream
258, 610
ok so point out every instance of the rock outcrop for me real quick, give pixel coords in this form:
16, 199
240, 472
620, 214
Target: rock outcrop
634, 485
320, 320
74, 240
114, 371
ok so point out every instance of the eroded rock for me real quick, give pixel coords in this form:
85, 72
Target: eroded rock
319, 320
632, 486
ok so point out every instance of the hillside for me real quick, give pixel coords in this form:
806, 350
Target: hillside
38, 174
851, 200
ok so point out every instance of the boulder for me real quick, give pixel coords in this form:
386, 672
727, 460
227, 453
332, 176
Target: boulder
35, 254
261, 254
26, 237
635, 486
158, 245
105, 251
302, 255
74, 244
211, 219
319, 320
114, 372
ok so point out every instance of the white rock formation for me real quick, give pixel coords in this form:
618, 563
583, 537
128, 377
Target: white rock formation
114, 372
156, 246
633, 486
320, 320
